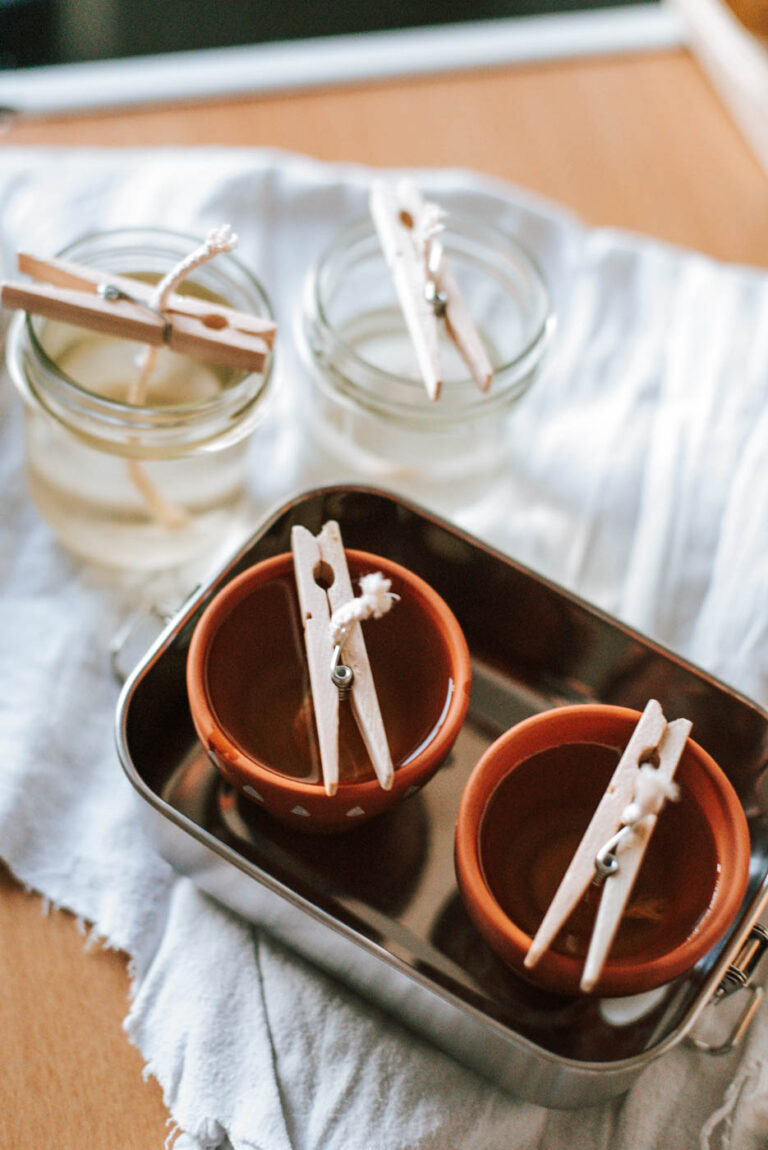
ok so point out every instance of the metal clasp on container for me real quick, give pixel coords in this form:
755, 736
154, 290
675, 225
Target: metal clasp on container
738, 977
144, 625
134, 638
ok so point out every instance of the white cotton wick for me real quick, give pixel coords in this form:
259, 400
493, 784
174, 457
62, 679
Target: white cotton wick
430, 223
221, 239
652, 791
374, 600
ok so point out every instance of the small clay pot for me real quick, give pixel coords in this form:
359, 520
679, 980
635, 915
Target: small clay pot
521, 818
249, 694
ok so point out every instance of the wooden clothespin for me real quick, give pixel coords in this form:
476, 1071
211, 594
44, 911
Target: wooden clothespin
330, 679
613, 847
118, 305
408, 227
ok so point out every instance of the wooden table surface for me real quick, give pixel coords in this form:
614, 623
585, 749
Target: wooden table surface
639, 142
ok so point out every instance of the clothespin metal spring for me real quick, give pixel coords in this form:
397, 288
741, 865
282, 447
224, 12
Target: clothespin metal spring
606, 860
437, 299
112, 293
343, 676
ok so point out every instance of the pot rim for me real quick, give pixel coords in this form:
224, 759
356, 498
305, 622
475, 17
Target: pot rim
581, 723
256, 771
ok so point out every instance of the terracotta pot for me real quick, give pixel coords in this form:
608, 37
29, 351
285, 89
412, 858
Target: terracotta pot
522, 815
248, 689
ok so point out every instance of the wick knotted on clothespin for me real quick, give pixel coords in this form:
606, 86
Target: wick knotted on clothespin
374, 600
613, 847
331, 619
652, 791
221, 239
409, 228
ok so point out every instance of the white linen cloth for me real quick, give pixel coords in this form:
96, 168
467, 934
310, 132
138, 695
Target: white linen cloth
638, 476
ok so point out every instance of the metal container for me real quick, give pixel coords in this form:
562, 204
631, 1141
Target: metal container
397, 930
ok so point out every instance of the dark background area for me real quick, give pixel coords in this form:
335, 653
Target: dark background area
34, 32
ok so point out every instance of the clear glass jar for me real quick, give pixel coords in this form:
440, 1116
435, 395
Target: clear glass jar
370, 411
137, 487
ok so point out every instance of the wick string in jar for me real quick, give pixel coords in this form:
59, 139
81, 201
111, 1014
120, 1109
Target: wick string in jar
221, 239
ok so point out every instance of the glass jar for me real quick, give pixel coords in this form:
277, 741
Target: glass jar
369, 408
137, 487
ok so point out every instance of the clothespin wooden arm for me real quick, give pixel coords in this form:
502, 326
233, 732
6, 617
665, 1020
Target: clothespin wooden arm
604, 823
121, 318
461, 328
395, 225
76, 277
618, 887
192, 336
311, 553
65, 274
365, 703
315, 618
426, 287
189, 325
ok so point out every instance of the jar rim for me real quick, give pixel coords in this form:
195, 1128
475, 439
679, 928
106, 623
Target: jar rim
145, 411
364, 227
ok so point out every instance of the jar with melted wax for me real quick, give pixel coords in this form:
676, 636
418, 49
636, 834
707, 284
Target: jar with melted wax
370, 412
137, 487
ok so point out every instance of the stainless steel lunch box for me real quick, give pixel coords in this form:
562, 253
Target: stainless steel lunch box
390, 922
